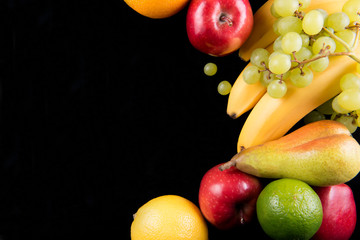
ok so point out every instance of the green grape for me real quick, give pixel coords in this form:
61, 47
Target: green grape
210, 69
304, 4
349, 81
279, 63
312, 22
348, 121
313, 116
303, 54
302, 78
324, 42
288, 24
259, 56
352, 9
277, 88
286, 7
277, 44
320, 64
291, 42
347, 36
266, 78
224, 87
323, 13
326, 107
305, 39
336, 106
337, 21
349, 99
251, 74
273, 12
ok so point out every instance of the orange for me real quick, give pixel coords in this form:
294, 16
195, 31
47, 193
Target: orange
169, 217
289, 209
157, 8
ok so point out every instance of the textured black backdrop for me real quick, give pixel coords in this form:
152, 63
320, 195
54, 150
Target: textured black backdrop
103, 109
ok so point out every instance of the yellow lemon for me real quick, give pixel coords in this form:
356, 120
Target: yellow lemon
169, 217
157, 8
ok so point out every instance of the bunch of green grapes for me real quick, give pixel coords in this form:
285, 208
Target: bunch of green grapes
345, 107
305, 42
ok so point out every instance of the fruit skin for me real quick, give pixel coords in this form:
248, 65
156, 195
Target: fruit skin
169, 217
263, 34
339, 212
244, 96
289, 209
272, 118
228, 198
312, 154
157, 8
211, 34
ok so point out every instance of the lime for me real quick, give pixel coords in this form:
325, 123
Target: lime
289, 209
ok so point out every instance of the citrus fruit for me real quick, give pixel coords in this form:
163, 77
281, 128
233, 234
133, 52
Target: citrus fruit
169, 217
157, 8
289, 209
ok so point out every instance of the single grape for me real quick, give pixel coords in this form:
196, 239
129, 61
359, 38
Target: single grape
337, 108
302, 78
291, 42
347, 36
304, 4
352, 9
323, 13
349, 99
326, 107
273, 11
303, 54
267, 78
260, 56
305, 39
279, 63
277, 44
349, 81
320, 64
313, 116
313, 22
288, 24
277, 89
210, 69
286, 7
348, 121
251, 74
337, 21
324, 43
224, 87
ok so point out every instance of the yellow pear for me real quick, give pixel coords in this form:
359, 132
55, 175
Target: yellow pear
322, 153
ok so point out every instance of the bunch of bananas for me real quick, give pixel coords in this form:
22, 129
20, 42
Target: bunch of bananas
271, 118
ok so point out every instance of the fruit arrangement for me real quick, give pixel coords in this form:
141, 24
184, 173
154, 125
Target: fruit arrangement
304, 61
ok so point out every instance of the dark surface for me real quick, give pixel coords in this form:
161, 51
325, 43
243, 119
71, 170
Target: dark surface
103, 109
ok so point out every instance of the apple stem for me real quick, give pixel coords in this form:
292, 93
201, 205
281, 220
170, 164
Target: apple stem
226, 19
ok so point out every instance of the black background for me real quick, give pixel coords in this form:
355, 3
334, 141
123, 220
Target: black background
103, 109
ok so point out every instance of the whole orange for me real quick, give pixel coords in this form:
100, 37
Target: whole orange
157, 8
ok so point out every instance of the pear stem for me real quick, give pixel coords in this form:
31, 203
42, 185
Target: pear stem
232, 162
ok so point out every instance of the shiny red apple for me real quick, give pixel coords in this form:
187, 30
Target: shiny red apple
339, 213
228, 198
219, 27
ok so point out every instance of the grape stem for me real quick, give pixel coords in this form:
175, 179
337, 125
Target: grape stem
349, 52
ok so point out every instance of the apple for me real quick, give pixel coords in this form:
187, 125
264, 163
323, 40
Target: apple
219, 27
228, 198
339, 212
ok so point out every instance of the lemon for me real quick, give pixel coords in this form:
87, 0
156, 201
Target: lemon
157, 8
169, 217
289, 209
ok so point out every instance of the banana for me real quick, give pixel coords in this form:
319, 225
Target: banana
272, 118
244, 96
263, 35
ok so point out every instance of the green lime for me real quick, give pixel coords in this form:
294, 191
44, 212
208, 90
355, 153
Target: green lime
289, 209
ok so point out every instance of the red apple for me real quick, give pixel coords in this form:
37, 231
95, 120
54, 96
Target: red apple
218, 27
228, 198
339, 218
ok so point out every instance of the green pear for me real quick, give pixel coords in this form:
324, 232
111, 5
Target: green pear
321, 154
